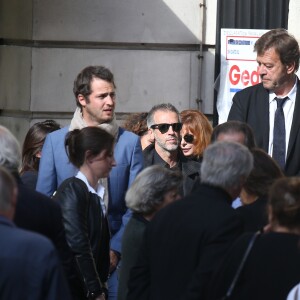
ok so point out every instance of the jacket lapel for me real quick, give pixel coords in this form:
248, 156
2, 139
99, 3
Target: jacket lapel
296, 121
263, 113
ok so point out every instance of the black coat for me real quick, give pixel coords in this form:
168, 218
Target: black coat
254, 215
190, 168
271, 270
30, 268
38, 213
251, 106
183, 245
87, 235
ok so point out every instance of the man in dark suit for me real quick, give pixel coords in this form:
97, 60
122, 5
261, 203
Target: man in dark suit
30, 268
34, 211
186, 240
278, 60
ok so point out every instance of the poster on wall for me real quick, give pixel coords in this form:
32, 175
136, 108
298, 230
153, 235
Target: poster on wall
239, 68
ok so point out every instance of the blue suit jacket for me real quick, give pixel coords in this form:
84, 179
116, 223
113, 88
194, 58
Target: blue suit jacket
55, 168
30, 268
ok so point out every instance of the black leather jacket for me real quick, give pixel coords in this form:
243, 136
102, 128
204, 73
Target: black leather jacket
87, 235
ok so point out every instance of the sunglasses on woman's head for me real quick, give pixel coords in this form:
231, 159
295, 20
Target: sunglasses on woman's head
189, 138
164, 127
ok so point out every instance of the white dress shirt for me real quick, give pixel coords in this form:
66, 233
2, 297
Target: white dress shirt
288, 110
100, 189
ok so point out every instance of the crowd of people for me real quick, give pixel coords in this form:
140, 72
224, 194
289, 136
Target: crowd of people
164, 206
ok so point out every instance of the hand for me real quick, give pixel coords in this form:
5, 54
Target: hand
114, 259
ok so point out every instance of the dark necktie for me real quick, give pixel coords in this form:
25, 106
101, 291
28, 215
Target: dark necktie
279, 133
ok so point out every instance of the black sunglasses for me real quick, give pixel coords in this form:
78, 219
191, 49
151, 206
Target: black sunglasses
164, 127
189, 138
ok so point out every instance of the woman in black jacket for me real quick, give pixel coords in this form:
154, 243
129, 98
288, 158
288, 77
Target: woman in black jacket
84, 213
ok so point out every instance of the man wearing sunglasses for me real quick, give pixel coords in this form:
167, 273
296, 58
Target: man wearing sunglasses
164, 124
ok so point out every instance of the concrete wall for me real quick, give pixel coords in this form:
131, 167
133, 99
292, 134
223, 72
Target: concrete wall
152, 47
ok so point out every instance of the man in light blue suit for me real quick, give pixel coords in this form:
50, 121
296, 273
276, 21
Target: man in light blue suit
94, 90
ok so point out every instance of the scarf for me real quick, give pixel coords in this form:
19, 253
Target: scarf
78, 122
112, 127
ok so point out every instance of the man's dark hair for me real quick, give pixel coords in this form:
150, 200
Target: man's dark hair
285, 45
235, 127
82, 83
264, 173
161, 107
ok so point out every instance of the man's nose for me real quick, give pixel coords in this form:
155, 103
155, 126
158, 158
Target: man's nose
110, 99
170, 130
262, 69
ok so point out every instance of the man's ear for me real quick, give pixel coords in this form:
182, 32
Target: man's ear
81, 100
290, 67
151, 134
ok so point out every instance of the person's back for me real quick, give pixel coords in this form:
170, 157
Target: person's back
254, 215
270, 272
38, 213
272, 267
154, 188
34, 211
186, 240
30, 267
185, 234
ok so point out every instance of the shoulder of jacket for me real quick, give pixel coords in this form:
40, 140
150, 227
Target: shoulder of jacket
74, 184
252, 89
125, 134
58, 135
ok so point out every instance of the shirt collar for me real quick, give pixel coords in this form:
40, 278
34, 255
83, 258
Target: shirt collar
291, 94
157, 160
100, 189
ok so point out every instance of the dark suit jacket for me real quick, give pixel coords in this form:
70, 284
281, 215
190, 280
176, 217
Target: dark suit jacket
37, 212
251, 106
271, 270
254, 215
30, 268
183, 245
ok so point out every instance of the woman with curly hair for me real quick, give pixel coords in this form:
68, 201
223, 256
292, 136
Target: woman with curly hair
137, 123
